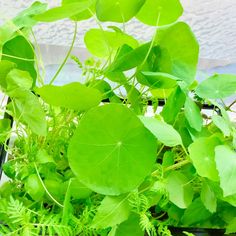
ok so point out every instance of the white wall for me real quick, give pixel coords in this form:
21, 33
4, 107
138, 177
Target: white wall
213, 21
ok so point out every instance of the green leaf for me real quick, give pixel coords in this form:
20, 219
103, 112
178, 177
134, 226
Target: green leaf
79, 190
84, 15
193, 114
159, 80
179, 51
26, 107
223, 124
5, 68
130, 227
5, 127
173, 105
160, 12
226, 165
179, 189
217, 86
195, 213
118, 77
73, 96
118, 11
103, 43
64, 11
20, 47
105, 143
43, 157
111, 212
231, 228
18, 79
208, 197
202, 154
34, 187
25, 18
130, 59
164, 132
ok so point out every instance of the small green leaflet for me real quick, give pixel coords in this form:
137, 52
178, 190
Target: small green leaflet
5, 127
105, 143
20, 47
164, 132
179, 189
103, 43
73, 96
193, 114
217, 86
195, 213
111, 212
160, 12
119, 11
202, 154
79, 190
226, 165
18, 79
173, 105
208, 197
180, 49
62, 12
26, 107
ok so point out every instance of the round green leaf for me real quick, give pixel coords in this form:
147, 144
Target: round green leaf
102, 43
217, 86
111, 151
167, 11
117, 11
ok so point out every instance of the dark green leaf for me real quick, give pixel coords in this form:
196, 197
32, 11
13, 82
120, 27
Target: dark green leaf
118, 11
111, 212
106, 141
217, 86
103, 43
160, 12
202, 154
193, 114
73, 96
226, 165
179, 189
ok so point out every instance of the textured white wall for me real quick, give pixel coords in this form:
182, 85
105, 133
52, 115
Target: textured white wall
213, 21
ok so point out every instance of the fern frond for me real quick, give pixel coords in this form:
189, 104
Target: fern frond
139, 203
163, 230
146, 225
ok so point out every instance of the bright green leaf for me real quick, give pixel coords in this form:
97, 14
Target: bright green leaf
179, 49
43, 157
164, 132
103, 43
179, 189
73, 96
223, 124
118, 11
5, 68
111, 212
231, 228
105, 143
5, 127
217, 86
226, 165
64, 11
18, 79
202, 154
20, 47
208, 197
78, 190
193, 114
160, 12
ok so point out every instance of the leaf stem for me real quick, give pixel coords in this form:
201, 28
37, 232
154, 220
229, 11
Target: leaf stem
67, 56
177, 165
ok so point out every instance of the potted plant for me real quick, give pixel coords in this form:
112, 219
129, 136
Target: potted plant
86, 158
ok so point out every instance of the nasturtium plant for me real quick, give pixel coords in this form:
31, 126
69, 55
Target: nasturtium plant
130, 151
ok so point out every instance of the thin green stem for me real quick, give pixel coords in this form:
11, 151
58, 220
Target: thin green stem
177, 165
15, 57
67, 56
